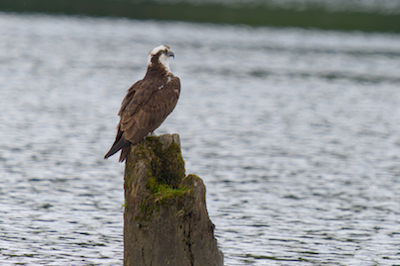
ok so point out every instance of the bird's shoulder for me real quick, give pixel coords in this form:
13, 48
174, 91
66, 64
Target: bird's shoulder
174, 82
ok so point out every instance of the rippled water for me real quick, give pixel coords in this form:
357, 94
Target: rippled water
296, 134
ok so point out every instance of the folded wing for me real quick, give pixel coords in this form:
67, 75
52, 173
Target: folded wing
143, 110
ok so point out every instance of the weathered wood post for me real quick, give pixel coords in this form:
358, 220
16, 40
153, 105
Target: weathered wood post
166, 220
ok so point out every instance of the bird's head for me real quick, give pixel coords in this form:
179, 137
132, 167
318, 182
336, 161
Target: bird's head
161, 54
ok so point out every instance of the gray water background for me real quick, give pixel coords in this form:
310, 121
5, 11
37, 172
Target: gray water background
296, 134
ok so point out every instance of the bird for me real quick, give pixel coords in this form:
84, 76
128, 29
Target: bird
147, 103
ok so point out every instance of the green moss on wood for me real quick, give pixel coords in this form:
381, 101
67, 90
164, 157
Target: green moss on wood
167, 166
168, 195
163, 195
125, 205
165, 171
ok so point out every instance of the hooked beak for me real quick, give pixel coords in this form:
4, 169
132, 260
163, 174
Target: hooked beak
171, 54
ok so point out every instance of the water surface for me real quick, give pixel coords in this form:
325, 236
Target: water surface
296, 134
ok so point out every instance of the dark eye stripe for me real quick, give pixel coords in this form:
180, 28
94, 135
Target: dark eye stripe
163, 52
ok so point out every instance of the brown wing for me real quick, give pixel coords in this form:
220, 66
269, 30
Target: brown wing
129, 96
120, 142
148, 109
143, 109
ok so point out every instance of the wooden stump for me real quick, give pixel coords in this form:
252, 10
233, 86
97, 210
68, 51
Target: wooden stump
166, 220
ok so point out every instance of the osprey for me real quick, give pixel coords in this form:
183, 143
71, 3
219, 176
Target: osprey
147, 103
